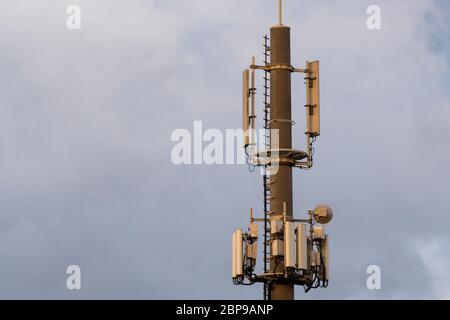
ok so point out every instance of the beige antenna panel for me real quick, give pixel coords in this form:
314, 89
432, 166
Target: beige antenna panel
326, 256
302, 247
237, 250
289, 244
312, 99
245, 105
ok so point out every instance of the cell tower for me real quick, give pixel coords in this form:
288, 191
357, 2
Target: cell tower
295, 251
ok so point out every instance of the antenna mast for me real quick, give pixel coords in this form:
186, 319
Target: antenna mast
295, 250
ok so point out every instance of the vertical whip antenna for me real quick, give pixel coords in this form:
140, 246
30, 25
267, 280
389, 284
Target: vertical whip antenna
280, 12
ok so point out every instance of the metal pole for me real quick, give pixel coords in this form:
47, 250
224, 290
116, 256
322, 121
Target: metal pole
253, 90
281, 182
280, 12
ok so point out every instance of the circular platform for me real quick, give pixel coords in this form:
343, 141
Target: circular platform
295, 155
287, 157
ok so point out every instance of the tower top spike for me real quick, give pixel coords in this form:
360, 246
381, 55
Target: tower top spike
280, 12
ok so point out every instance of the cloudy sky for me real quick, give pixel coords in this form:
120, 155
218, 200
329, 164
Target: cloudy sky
86, 117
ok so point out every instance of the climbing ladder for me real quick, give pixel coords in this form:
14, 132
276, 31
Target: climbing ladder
266, 177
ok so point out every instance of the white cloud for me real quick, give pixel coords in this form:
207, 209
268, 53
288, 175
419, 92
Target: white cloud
436, 257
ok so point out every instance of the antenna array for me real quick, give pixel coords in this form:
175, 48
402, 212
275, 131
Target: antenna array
295, 251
